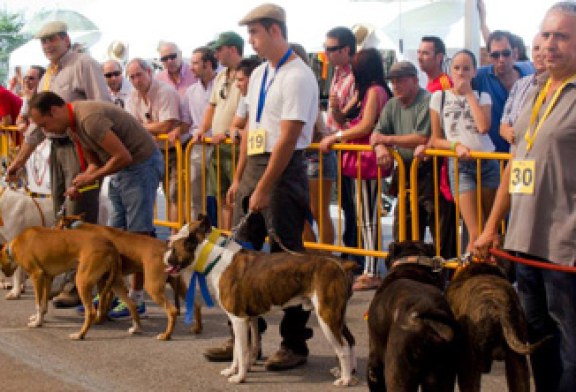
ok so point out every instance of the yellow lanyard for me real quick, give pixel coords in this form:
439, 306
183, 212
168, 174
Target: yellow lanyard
530, 138
50, 73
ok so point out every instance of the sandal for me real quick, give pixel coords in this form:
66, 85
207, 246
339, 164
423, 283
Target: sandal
366, 282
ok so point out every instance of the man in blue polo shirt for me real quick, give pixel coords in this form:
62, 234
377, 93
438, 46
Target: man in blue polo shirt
497, 79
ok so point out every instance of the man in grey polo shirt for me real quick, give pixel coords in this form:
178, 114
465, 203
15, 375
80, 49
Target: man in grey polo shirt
538, 187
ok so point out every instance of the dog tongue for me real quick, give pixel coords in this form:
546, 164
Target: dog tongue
172, 269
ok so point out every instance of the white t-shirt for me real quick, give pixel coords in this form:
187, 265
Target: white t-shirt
242, 109
292, 95
457, 120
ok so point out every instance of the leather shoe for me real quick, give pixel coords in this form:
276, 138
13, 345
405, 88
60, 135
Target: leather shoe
68, 298
285, 359
222, 353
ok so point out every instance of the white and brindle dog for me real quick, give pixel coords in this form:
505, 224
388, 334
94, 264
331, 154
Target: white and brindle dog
248, 283
18, 210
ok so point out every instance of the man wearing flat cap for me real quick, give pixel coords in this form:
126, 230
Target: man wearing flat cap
283, 104
404, 124
75, 77
228, 49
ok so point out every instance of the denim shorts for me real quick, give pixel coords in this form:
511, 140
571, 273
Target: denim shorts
132, 193
467, 175
329, 165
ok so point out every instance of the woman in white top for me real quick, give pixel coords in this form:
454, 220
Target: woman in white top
460, 119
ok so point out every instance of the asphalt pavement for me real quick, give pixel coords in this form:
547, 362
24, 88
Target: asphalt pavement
109, 359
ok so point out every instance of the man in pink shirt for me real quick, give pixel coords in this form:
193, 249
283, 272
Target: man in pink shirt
175, 73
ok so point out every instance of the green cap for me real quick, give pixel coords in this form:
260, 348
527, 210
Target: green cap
228, 38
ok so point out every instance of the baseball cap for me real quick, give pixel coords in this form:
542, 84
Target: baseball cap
228, 38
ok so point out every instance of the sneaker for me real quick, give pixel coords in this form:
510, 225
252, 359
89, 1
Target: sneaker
121, 311
285, 359
96, 301
68, 298
222, 353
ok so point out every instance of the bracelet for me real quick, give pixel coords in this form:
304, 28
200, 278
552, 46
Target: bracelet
453, 145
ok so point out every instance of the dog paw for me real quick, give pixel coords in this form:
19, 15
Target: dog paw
228, 372
134, 330
335, 371
76, 336
346, 382
12, 295
34, 324
33, 318
236, 379
163, 336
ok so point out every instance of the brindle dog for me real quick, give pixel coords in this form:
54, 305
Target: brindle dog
493, 326
411, 328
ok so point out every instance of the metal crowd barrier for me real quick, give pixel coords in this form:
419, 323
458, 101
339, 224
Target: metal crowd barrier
478, 156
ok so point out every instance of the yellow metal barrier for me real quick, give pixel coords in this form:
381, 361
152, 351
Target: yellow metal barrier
168, 222
7, 144
479, 156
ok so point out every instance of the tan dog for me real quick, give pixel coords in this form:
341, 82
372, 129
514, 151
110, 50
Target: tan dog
44, 253
18, 211
141, 253
249, 283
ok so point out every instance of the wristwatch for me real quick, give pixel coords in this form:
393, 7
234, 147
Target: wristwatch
339, 135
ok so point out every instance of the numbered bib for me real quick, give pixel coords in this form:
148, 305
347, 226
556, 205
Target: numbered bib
522, 177
256, 141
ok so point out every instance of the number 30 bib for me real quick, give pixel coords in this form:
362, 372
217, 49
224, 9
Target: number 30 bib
522, 177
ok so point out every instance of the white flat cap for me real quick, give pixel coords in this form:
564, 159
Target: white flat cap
264, 11
52, 28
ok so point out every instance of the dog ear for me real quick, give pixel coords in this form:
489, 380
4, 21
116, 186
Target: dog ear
205, 226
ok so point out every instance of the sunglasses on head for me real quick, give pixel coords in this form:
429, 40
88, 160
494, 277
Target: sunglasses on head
108, 75
333, 48
171, 56
504, 53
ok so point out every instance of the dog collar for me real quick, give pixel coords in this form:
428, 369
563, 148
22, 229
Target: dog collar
435, 263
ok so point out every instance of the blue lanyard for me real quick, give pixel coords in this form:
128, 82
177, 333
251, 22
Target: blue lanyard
264, 89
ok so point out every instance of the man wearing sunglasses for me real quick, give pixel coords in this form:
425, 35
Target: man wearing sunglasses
118, 86
498, 78
175, 72
31, 80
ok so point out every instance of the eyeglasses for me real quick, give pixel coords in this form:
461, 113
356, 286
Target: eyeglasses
504, 53
334, 48
108, 75
171, 56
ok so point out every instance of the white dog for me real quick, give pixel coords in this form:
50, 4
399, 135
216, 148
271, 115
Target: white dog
18, 211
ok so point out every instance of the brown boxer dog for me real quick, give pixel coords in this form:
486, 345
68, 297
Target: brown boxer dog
44, 253
141, 253
249, 283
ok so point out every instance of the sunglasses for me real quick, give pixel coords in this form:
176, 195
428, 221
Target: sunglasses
334, 48
224, 90
108, 75
26, 78
171, 56
504, 53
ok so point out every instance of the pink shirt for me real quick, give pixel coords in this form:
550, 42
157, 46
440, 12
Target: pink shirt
187, 79
343, 86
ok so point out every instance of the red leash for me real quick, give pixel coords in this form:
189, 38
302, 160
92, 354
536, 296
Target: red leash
532, 263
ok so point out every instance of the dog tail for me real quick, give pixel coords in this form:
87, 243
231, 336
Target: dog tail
437, 322
514, 341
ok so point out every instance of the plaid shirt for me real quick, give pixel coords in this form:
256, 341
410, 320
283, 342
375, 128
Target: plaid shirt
343, 86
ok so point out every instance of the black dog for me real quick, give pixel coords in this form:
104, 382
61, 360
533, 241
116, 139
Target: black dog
493, 326
411, 328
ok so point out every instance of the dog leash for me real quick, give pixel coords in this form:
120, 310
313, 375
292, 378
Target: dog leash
62, 212
532, 263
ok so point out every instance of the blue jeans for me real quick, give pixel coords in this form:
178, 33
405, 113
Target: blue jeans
549, 301
132, 193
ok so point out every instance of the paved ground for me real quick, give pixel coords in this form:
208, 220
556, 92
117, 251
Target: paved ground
109, 359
